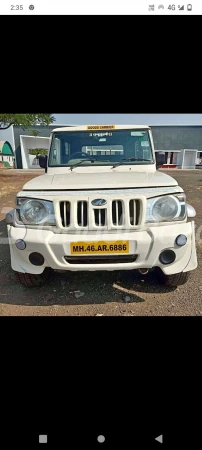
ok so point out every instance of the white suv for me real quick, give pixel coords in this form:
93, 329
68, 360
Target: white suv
101, 205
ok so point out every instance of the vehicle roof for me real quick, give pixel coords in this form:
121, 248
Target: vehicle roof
101, 127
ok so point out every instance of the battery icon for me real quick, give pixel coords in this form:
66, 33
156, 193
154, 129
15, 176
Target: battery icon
189, 7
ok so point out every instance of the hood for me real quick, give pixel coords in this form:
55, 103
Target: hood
104, 180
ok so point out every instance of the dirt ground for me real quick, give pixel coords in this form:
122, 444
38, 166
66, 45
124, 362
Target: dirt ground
108, 293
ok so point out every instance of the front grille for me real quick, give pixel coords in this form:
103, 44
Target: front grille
101, 259
124, 213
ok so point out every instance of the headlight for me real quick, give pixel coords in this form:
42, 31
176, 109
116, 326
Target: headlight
166, 208
35, 212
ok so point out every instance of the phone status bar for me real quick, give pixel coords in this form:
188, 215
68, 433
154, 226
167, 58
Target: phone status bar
100, 7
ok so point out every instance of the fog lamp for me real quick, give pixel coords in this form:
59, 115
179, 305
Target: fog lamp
20, 244
181, 240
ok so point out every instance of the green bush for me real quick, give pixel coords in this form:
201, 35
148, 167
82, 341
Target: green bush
37, 151
6, 163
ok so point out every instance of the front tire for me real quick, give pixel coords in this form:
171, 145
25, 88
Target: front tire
177, 279
32, 280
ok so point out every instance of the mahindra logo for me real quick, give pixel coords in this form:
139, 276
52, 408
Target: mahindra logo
99, 202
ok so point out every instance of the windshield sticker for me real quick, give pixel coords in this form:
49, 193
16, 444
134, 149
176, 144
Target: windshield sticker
101, 127
137, 133
100, 134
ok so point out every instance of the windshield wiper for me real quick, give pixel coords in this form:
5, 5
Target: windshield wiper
84, 160
129, 159
80, 162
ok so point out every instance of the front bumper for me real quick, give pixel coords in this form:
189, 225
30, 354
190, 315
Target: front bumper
146, 244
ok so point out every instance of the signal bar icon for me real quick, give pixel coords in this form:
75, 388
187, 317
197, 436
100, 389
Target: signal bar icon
181, 8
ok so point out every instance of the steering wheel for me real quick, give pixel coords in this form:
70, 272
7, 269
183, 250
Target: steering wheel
79, 154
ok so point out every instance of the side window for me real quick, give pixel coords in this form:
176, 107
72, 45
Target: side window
146, 149
67, 149
142, 149
56, 152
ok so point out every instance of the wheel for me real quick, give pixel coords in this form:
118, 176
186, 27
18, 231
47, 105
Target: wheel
174, 280
32, 280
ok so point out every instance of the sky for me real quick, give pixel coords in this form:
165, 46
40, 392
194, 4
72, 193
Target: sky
121, 119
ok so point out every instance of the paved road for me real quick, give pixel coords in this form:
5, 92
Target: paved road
103, 293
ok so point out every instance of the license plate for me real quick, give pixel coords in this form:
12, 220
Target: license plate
99, 247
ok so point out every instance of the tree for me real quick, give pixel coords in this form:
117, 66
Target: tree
25, 120
37, 151
34, 132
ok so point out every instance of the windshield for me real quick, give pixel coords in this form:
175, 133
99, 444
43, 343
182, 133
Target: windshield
100, 148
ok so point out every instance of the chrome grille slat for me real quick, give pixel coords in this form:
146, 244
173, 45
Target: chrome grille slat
134, 212
65, 214
65, 210
100, 217
82, 214
117, 213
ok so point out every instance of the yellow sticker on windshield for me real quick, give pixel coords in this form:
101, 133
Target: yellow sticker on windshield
101, 127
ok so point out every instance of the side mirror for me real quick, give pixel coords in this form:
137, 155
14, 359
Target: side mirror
43, 161
160, 159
